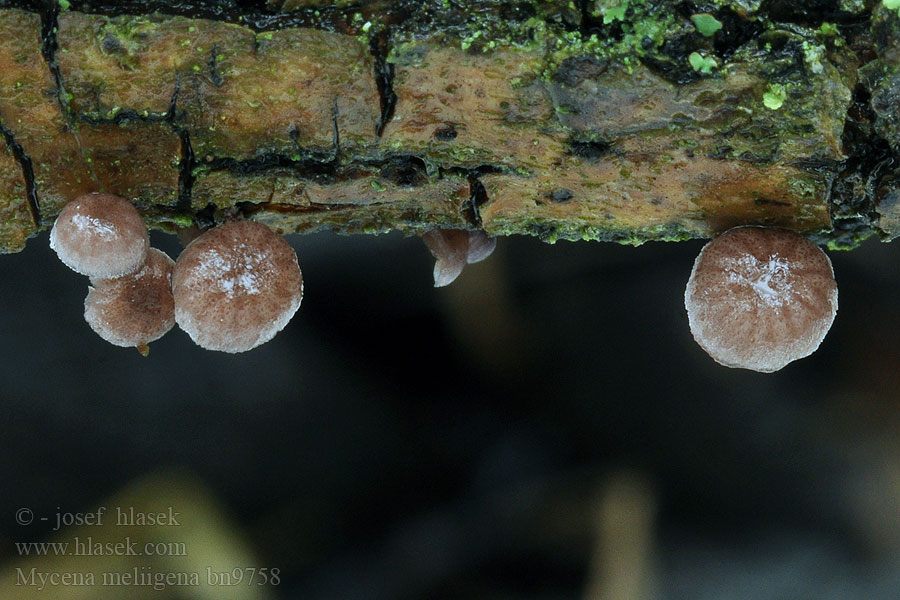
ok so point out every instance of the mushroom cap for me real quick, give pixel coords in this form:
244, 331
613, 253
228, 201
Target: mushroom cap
450, 248
100, 235
236, 286
135, 309
480, 246
760, 298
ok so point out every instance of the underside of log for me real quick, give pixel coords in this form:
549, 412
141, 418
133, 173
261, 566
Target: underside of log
619, 120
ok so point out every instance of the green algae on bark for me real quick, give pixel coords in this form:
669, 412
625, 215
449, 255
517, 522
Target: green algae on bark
132, 158
238, 92
557, 119
466, 109
682, 160
16, 220
881, 80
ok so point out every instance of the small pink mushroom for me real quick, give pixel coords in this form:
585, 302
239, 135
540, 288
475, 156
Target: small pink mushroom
236, 286
100, 235
453, 249
135, 309
760, 298
450, 249
480, 246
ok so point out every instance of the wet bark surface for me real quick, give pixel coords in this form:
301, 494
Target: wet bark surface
626, 122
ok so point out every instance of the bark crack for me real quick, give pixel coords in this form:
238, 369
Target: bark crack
49, 47
214, 74
188, 160
27, 172
477, 197
851, 191
584, 7
336, 130
379, 46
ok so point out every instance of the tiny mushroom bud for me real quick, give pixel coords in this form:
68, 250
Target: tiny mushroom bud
760, 298
450, 248
100, 235
135, 309
236, 286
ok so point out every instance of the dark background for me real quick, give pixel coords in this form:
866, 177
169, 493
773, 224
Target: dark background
516, 435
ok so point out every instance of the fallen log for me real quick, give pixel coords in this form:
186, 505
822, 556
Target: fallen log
619, 120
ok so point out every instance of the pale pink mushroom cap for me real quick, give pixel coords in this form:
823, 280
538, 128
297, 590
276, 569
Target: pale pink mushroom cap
760, 298
453, 249
450, 248
100, 235
480, 246
135, 309
236, 286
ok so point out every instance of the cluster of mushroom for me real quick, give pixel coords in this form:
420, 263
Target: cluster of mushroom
453, 249
760, 298
757, 298
233, 288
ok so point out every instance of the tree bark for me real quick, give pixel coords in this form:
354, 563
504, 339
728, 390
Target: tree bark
625, 121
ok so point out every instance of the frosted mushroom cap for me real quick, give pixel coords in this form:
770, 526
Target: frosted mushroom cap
100, 235
236, 286
760, 298
135, 309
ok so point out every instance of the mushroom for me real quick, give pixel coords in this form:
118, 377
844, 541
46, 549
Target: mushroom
453, 249
135, 309
760, 298
236, 286
450, 249
480, 246
100, 235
